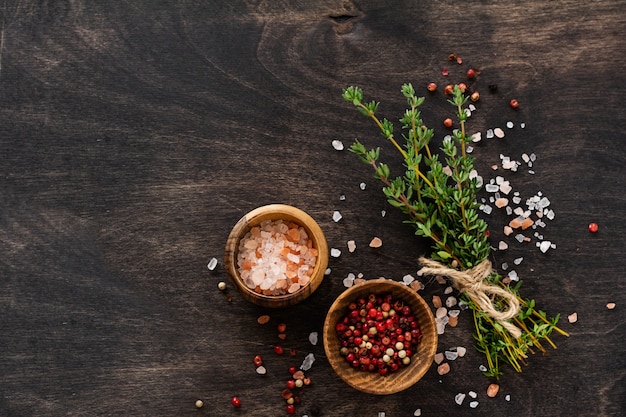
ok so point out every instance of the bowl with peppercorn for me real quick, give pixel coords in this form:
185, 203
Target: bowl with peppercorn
380, 336
276, 255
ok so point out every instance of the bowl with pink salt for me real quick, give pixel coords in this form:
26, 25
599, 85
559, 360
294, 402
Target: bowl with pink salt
276, 255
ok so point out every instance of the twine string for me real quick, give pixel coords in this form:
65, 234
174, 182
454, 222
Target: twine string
472, 282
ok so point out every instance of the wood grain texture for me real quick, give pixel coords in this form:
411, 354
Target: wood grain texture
134, 135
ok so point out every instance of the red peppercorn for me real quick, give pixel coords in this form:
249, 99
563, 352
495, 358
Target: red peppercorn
475, 96
593, 227
449, 89
471, 73
290, 409
278, 350
462, 87
258, 360
293, 370
431, 87
282, 327
290, 384
514, 103
447, 122
236, 402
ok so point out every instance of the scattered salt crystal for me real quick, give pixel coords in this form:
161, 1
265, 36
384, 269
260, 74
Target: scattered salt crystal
454, 313
261, 370
337, 216
327, 271
459, 398
544, 246
417, 412
522, 125
436, 301
505, 266
441, 328
441, 312
486, 208
498, 132
501, 202
507, 397
342, 197
502, 245
443, 369
525, 158
516, 199
471, 107
307, 362
505, 187
492, 390
513, 275
438, 358
520, 237
469, 149
348, 282
473, 404
518, 261
448, 290
313, 338
482, 368
383, 213
533, 157
461, 351
491, 188
572, 318
550, 214
338, 145
376, 243
351, 246
447, 170
212, 264
509, 125
362, 186
450, 355
335, 253
489, 134
508, 230
408, 279
472, 394
476, 137
451, 302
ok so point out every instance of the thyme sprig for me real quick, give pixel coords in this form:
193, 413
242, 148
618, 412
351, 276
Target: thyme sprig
440, 202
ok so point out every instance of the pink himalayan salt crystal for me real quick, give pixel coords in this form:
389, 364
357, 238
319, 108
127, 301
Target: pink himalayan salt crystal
376, 243
610, 306
502, 202
276, 257
573, 318
443, 369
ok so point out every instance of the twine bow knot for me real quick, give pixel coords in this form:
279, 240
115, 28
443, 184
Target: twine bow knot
472, 282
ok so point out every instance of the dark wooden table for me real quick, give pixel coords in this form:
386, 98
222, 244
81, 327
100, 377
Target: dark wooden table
135, 134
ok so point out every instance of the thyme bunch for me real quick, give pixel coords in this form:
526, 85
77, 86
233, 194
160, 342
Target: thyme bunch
440, 202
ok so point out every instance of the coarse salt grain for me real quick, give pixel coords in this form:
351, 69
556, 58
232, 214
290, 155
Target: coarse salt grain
276, 257
376, 243
610, 306
459, 398
335, 253
337, 216
212, 264
351, 246
338, 145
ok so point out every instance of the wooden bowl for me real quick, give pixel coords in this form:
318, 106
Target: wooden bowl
276, 212
372, 382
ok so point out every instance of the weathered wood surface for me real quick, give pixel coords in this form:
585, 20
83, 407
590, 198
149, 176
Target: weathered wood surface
133, 135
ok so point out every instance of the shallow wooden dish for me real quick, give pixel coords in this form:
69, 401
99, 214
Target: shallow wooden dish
369, 382
276, 212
